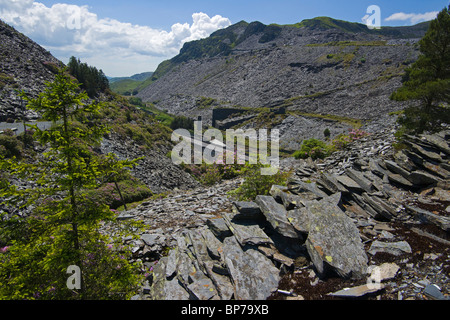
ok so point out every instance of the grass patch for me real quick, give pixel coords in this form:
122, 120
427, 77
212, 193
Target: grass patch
355, 123
132, 191
376, 43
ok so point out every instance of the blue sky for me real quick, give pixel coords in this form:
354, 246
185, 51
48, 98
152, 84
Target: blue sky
163, 14
127, 37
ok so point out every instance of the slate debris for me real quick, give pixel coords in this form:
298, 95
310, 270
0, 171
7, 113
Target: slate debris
354, 225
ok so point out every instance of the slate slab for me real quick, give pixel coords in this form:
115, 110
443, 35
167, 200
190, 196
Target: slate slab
334, 241
254, 275
276, 215
394, 248
247, 210
246, 232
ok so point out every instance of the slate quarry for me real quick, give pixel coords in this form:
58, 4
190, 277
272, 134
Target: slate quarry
366, 222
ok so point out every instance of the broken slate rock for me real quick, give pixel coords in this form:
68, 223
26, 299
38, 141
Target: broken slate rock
430, 217
309, 191
358, 291
349, 183
360, 180
299, 219
276, 215
394, 248
214, 246
331, 184
219, 227
422, 178
246, 232
386, 271
247, 210
254, 275
334, 241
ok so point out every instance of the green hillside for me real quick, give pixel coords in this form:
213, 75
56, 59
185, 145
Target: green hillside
130, 85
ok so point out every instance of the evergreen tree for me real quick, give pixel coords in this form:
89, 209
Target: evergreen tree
63, 228
92, 80
428, 80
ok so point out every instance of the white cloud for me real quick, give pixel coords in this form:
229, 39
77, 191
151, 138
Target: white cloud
413, 18
68, 30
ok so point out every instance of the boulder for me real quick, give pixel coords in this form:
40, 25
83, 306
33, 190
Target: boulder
254, 275
299, 219
349, 183
309, 191
386, 271
430, 217
398, 179
426, 152
376, 168
381, 207
333, 241
358, 291
396, 168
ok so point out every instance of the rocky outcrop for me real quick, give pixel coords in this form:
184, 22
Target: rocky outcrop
25, 66
155, 169
337, 222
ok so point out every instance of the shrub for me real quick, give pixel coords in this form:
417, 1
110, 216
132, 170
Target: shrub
343, 140
10, 147
131, 189
316, 149
255, 184
210, 174
181, 122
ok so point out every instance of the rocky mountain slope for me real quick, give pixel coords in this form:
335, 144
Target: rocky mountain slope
319, 66
24, 65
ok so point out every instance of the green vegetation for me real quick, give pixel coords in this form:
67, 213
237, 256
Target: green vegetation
374, 43
128, 190
313, 148
355, 123
92, 80
427, 81
10, 146
181, 122
131, 86
63, 227
255, 184
318, 149
206, 103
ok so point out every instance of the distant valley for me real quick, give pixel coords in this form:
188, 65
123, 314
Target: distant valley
130, 85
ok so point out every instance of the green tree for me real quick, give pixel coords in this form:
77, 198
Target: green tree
428, 80
90, 78
63, 225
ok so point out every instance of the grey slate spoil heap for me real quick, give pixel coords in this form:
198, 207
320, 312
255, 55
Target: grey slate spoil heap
332, 216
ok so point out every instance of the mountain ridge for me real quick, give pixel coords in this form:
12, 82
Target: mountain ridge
315, 71
235, 35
